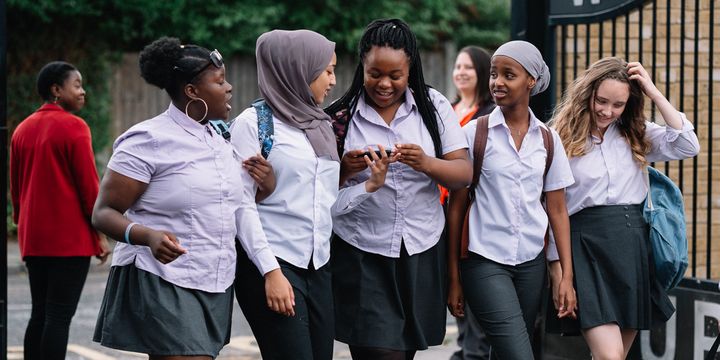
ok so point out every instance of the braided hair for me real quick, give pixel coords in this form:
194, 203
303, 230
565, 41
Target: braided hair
396, 34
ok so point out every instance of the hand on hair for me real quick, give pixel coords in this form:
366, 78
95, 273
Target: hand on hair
638, 73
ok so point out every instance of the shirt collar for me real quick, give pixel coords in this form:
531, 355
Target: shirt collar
366, 111
498, 118
189, 125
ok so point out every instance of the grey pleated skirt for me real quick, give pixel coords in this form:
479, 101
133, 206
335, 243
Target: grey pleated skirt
389, 303
143, 313
614, 272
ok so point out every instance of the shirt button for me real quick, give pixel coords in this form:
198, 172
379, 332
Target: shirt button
627, 216
625, 207
628, 224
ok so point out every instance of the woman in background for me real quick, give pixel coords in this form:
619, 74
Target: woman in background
53, 184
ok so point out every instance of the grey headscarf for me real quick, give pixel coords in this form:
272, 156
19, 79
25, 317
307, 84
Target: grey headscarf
288, 61
530, 58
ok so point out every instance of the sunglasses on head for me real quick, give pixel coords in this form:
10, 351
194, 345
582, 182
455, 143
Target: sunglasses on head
216, 60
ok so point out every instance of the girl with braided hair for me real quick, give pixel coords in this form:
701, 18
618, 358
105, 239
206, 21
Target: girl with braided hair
388, 258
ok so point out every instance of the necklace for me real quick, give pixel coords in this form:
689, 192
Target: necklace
516, 132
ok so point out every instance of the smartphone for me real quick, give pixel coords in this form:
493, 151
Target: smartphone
377, 152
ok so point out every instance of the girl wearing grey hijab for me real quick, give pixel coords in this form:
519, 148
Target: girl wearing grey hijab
503, 275
282, 282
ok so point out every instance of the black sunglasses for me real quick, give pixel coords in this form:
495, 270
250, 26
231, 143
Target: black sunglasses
215, 59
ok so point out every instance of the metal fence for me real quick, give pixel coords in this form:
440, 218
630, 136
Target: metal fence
676, 42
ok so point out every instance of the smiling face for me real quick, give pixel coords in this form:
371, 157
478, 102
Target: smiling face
70, 95
609, 102
321, 86
386, 73
510, 83
216, 91
464, 74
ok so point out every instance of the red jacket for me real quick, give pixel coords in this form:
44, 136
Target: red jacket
54, 183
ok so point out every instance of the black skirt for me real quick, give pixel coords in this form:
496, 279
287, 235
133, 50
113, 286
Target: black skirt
143, 313
390, 303
614, 272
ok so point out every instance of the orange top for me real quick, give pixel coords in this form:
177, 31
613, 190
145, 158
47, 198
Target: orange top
444, 193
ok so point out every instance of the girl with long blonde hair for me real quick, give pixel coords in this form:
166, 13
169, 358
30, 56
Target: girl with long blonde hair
608, 141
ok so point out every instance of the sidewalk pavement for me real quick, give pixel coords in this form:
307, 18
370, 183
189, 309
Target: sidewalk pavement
441, 352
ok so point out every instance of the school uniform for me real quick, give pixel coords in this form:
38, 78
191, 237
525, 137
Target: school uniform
183, 307
388, 260
612, 259
503, 277
293, 233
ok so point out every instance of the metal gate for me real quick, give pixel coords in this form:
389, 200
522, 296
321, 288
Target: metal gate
676, 42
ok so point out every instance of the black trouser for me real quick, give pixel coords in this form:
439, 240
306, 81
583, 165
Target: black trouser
55, 287
308, 335
505, 299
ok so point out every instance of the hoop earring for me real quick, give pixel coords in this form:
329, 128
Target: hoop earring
190, 102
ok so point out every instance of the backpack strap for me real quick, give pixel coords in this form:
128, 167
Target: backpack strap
340, 122
549, 144
266, 130
481, 136
221, 127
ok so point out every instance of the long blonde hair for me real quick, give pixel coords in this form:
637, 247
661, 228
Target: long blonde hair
574, 117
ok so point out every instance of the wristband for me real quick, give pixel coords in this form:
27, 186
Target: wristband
127, 232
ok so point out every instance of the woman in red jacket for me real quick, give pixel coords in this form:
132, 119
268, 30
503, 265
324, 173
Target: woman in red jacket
54, 183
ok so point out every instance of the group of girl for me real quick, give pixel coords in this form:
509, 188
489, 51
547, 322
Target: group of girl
196, 214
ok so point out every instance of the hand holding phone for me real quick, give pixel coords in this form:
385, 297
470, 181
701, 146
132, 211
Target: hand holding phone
377, 152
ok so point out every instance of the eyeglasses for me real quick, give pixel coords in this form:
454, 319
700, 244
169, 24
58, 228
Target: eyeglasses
215, 59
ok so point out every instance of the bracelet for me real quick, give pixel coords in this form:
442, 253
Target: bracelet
127, 232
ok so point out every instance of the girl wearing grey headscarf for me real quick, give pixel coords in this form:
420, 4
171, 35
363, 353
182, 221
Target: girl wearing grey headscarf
503, 274
282, 282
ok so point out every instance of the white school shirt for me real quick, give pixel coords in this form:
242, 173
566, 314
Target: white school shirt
406, 208
608, 173
193, 190
295, 218
507, 221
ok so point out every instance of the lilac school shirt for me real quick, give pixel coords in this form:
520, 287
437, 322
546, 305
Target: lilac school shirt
194, 188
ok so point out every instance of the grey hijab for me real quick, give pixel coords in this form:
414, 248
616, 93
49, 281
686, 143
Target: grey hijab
530, 58
287, 62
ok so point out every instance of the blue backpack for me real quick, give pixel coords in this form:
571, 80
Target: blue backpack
664, 211
265, 127
266, 130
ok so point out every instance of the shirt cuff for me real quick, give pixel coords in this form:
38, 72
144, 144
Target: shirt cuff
265, 261
671, 134
352, 196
